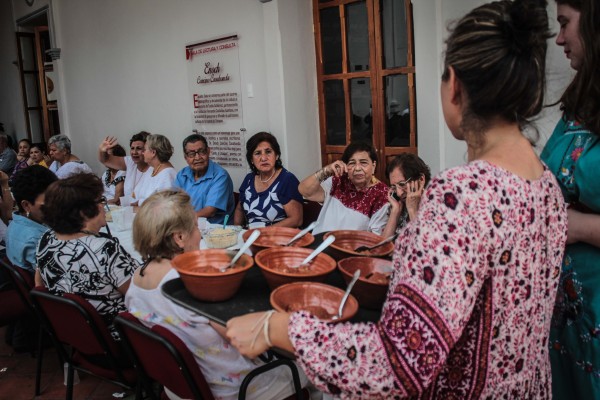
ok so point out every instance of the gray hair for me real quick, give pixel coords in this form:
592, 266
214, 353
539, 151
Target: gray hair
61, 142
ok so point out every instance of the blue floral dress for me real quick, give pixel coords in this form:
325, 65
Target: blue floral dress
266, 208
573, 155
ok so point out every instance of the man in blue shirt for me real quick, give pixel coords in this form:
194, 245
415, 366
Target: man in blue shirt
208, 184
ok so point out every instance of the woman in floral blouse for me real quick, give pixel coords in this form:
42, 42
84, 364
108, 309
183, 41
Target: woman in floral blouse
470, 301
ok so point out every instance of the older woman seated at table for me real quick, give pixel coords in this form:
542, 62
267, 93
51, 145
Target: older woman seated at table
166, 225
352, 197
65, 164
157, 153
408, 176
27, 226
269, 194
74, 257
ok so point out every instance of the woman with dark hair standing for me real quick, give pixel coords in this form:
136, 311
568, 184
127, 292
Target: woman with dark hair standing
74, 257
468, 310
352, 197
269, 194
573, 154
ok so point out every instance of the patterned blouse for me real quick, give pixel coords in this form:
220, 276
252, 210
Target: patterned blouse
93, 267
470, 302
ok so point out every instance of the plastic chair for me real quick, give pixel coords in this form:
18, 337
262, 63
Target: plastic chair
161, 356
72, 321
23, 282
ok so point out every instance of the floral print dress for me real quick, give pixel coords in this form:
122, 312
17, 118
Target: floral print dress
573, 153
468, 311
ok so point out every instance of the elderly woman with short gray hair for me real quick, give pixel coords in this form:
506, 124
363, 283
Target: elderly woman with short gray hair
65, 163
157, 153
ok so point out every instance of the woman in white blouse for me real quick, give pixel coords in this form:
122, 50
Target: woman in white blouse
157, 153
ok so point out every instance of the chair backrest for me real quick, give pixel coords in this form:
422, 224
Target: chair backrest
22, 281
310, 212
163, 357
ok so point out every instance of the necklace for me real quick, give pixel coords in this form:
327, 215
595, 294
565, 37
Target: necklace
157, 169
272, 175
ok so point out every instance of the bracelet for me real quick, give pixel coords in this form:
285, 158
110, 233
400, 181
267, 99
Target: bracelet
266, 327
322, 174
264, 321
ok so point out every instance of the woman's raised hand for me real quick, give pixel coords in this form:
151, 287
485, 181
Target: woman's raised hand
413, 197
337, 168
108, 143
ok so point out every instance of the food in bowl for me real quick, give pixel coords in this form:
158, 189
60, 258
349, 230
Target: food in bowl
372, 285
274, 236
319, 299
347, 241
277, 265
221, 238
202, 276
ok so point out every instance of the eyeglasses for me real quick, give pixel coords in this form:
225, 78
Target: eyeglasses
200, 152
400, 184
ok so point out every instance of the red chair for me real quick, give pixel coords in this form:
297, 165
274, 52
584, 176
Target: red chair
22, 282
161, 356
75, 324
310, 212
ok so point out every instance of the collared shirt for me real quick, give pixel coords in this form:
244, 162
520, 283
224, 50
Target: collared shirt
22, 238
214, 189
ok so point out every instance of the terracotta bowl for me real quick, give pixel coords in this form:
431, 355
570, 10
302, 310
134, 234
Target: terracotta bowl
370, 292
346, 241
319, 299
202, 277
275, 263
275, 236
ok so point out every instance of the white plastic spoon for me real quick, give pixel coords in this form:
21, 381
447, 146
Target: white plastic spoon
302, 233
346, 295
241, 251
330, 239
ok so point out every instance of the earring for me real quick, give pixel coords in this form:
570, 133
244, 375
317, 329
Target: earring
27, 214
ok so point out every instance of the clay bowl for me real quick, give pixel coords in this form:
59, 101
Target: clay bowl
275, 236
275, 263
370, 292
319, 299
346, 241
202, 277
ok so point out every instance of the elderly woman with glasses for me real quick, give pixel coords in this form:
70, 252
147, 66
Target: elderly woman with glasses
352, 197
74, 256
65, 163
408, 175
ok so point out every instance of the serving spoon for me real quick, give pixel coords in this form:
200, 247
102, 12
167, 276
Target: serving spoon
330, 239
301, 233
255, 234
346, 295
360, 249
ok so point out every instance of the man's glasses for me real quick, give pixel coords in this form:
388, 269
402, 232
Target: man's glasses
200, 152
400, 184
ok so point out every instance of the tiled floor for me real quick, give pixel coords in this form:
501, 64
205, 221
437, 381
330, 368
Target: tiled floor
17, 378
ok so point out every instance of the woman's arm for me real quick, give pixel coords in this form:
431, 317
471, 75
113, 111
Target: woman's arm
310, 188
110, 161
7, 203
37, 278
239, 217
242, 331
413, 198
293, 210
119, 192
583, 228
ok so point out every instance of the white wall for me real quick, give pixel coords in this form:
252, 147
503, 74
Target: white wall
122, 70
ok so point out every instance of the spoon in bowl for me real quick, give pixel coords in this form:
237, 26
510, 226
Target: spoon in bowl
242, 249
301, 233
330, 239
360, 249
346, 295
225, 221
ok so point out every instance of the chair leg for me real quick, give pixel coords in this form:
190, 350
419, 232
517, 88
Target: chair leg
70, 374
40, 356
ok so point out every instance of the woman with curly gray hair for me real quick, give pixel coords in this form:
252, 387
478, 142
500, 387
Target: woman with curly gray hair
65, 163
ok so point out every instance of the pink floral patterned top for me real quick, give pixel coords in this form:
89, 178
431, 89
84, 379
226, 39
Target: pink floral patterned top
470, 302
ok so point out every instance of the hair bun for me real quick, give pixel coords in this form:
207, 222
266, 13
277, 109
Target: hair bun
526, 24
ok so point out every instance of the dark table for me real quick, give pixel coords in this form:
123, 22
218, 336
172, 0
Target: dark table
253, 296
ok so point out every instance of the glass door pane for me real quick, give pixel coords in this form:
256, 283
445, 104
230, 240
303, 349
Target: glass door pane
331, 40
360, 102
335, 112
394, 33
357, 32
397, 106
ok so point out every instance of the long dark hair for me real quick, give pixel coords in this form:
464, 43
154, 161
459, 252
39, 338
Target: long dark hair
581, 100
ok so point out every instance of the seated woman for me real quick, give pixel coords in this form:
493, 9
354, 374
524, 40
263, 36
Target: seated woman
22, 157
27, 226
408, 175
65, 164
157, 153
37, 155
113, 179
352, 197
134, 165
166, 225
269, 194
74, 257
